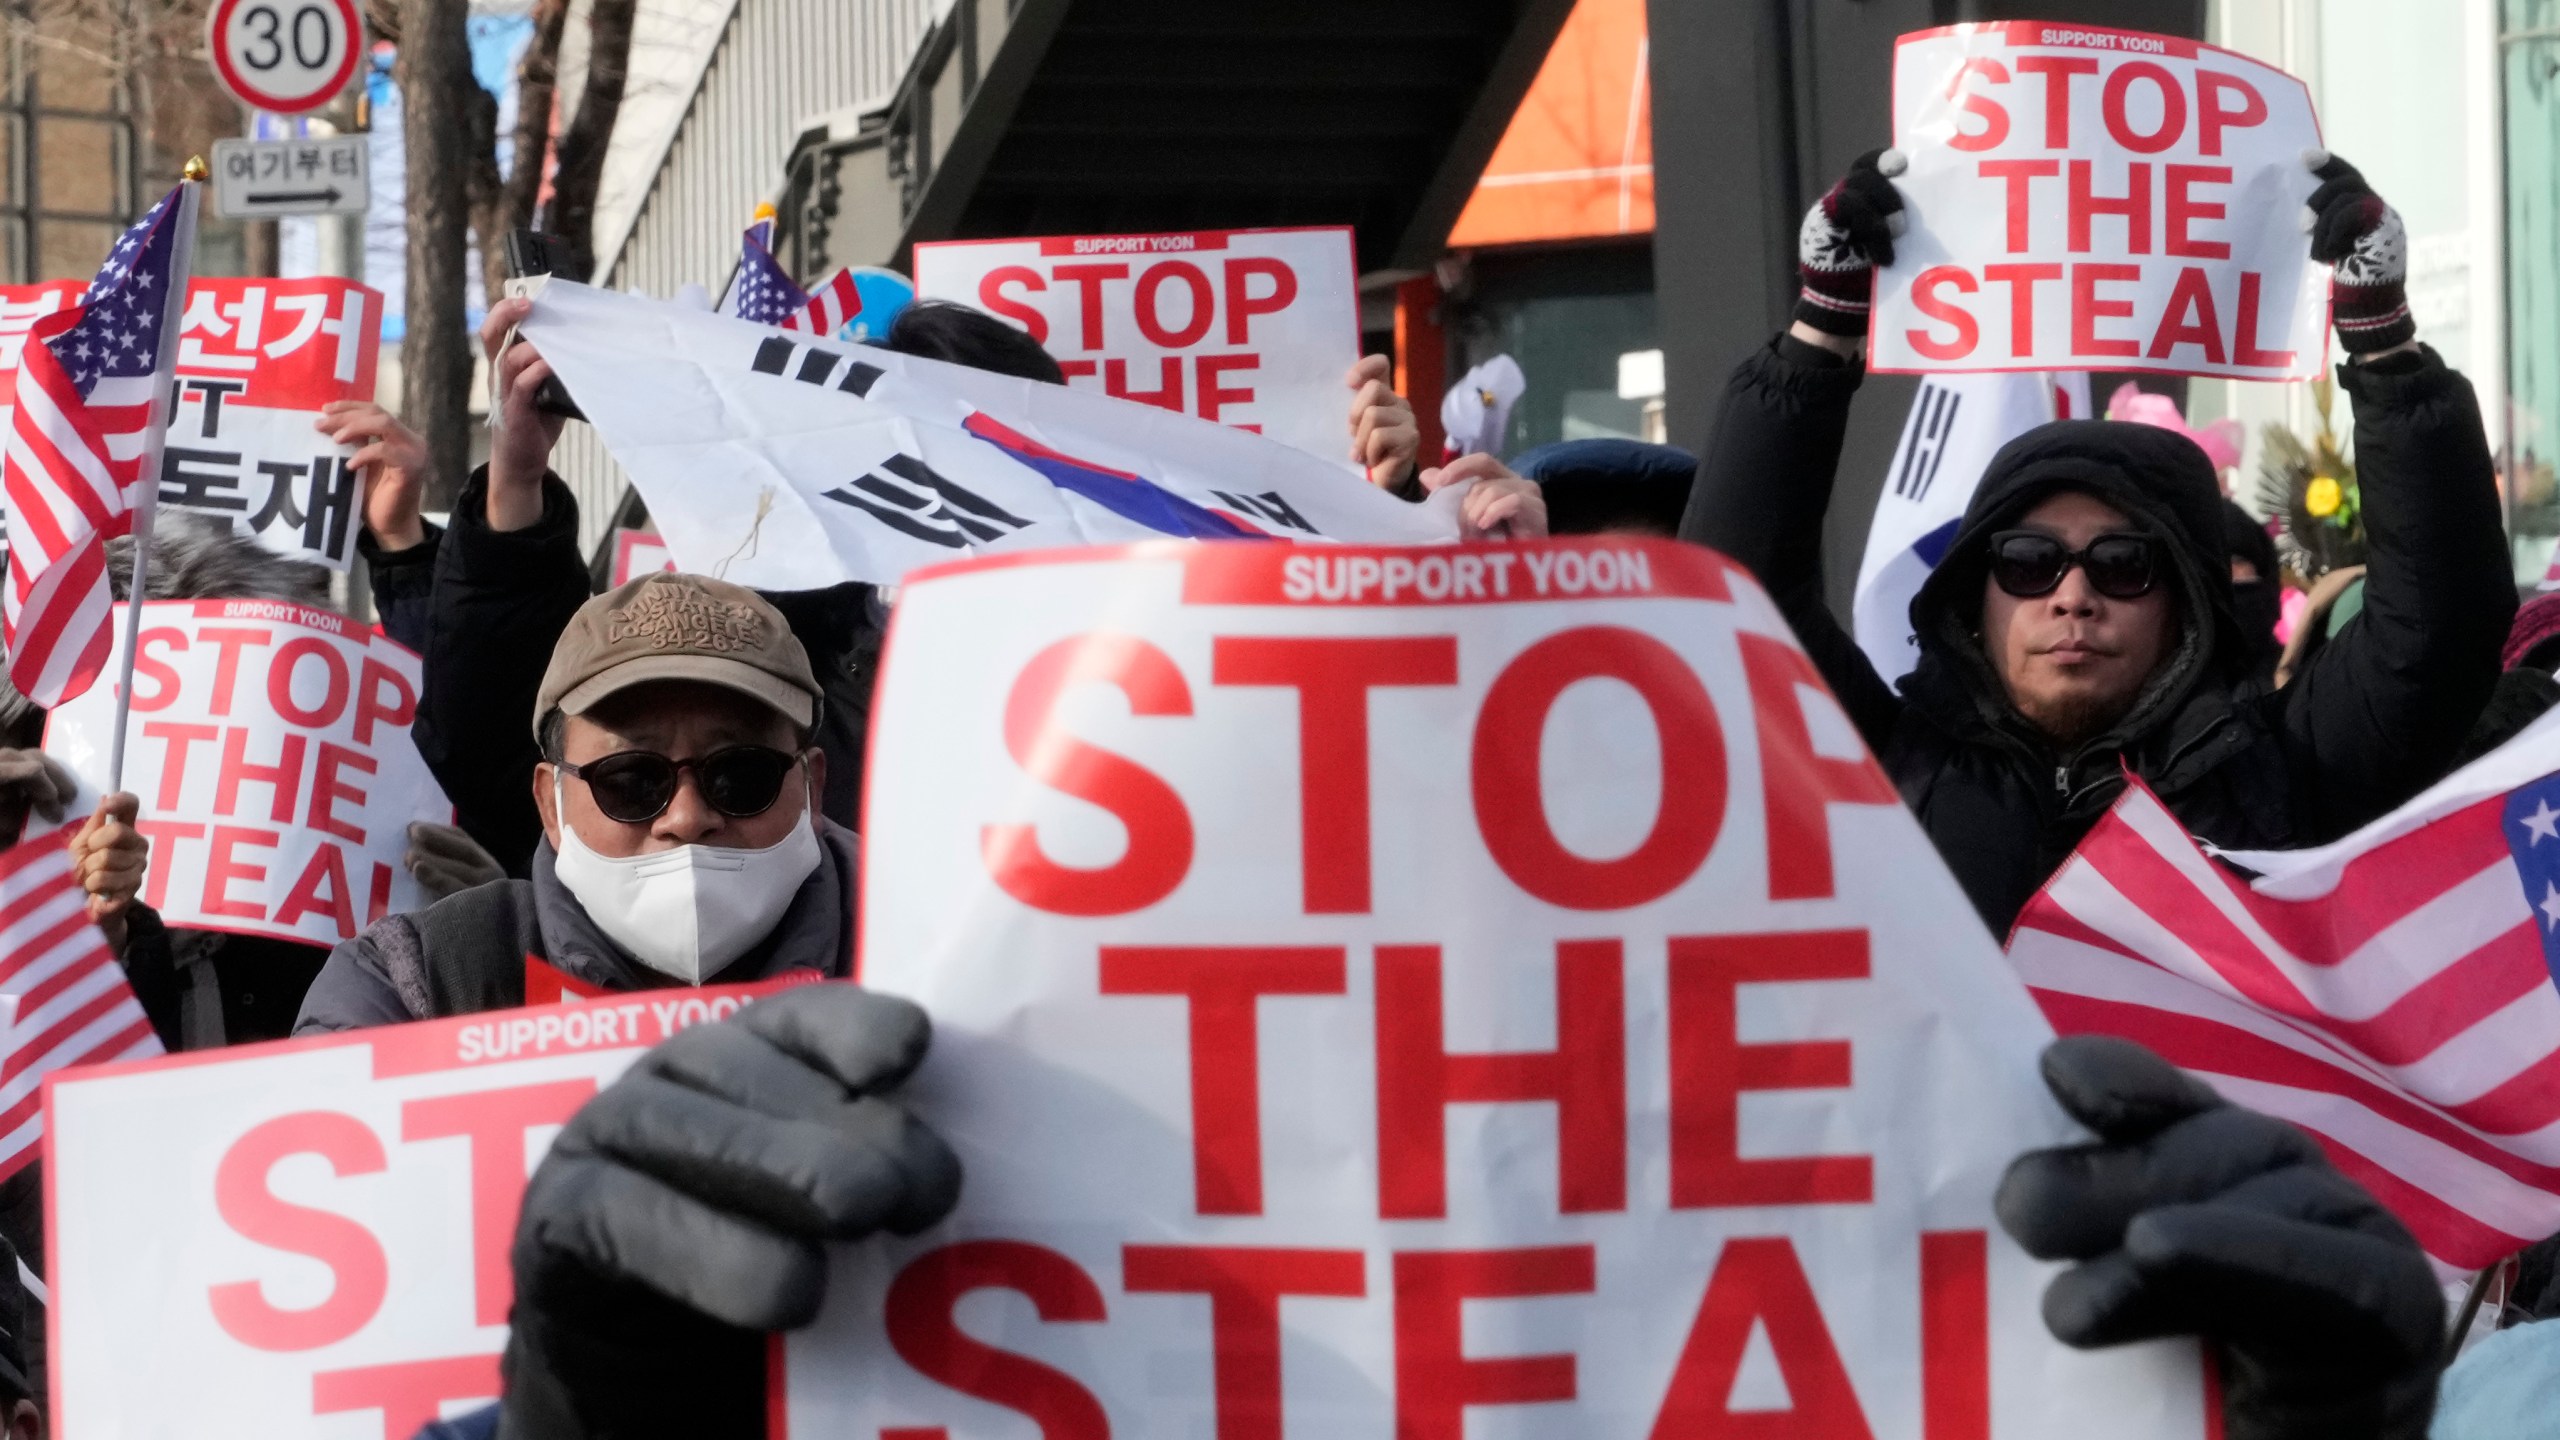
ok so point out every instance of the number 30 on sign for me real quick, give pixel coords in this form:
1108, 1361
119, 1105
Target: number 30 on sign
284, 56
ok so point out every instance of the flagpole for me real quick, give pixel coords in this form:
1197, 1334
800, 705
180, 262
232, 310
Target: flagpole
164, 398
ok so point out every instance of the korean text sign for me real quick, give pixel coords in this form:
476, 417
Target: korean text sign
257, 359
1247, 327
1424, 993
309, 1238
2089, 199
271, 749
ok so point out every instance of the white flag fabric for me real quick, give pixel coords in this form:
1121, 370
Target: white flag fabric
1957, 423
786, 461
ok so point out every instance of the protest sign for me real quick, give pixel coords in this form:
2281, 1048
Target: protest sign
2089, 199
309, 1238
786, 461
257, 359
1252, 328
1476, 991
271, 752
637, 553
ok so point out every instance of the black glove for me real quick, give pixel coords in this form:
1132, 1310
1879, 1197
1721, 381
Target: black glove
682, 1215
2354, 231
2196, 1217
1847, 233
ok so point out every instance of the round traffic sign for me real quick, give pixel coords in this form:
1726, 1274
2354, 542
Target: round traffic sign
286, 56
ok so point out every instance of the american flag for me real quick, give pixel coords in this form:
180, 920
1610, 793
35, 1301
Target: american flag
63, 997
88, 388
2392, 993
762, 292
834, 302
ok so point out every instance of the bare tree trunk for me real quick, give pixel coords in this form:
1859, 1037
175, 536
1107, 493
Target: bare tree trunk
436, 86
485, 193
572, 214
537, 88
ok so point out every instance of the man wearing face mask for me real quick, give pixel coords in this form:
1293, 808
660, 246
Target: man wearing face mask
682, 841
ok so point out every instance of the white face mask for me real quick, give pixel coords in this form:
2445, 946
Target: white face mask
689, 911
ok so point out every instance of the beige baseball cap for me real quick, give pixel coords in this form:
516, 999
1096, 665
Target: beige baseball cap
678, 627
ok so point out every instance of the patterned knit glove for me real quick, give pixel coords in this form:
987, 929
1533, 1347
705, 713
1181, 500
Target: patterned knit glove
1846, 234
2353, 230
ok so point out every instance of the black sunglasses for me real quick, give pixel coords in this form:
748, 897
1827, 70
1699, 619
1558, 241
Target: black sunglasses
2028, 563
636, 786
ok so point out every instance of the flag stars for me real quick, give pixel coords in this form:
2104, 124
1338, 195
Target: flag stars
2550, 906
2544, 822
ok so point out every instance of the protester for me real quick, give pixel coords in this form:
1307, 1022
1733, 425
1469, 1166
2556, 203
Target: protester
682, 839
201, 988
2083, 619
2257, 589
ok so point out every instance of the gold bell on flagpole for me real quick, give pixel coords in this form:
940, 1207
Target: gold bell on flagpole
196, 168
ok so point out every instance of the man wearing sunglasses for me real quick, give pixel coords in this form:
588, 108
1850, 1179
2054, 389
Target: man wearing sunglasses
682, 839
2082, 620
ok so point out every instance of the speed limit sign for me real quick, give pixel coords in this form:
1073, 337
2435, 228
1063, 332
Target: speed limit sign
285, 56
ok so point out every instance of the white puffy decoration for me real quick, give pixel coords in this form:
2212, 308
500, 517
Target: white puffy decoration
1476, 413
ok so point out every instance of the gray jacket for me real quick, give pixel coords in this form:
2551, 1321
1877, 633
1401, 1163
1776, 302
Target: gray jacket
467, 953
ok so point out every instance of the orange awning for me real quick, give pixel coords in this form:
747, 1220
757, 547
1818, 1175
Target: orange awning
1577, 161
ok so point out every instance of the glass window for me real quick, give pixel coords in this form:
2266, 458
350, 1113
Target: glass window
1566, 315
2530, 57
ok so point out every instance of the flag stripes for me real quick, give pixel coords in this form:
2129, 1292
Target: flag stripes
66, 999
2405, 1015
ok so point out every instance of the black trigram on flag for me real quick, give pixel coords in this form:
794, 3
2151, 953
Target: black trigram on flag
811, 365
1933, 419
913, 498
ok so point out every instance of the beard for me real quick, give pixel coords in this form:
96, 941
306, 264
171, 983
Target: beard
2074, 717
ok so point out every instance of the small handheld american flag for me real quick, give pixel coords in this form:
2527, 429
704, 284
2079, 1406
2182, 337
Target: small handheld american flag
84, 438
762, 292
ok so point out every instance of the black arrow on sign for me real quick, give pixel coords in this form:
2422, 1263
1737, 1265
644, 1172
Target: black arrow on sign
325, 197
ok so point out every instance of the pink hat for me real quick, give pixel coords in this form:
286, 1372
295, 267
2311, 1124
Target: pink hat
2218, 439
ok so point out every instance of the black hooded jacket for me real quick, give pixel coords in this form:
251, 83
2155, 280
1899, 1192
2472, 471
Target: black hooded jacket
2378, 715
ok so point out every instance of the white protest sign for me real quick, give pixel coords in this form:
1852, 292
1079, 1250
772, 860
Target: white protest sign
257, 360
1253, 328
1477, 991
2090, 199
786, 461
270, 748
308, 1239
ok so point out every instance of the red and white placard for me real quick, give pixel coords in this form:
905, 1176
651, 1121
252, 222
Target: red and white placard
1254, 328
271, 750
2089, 199
1431, 992
307, 1240
640, 552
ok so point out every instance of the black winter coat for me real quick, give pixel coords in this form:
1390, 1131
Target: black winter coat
2380, 713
